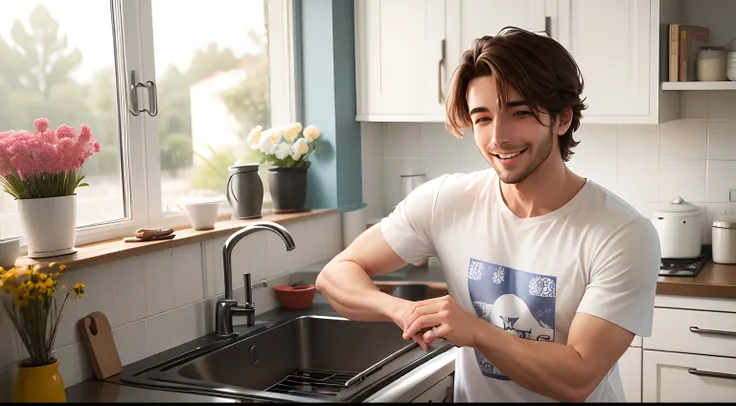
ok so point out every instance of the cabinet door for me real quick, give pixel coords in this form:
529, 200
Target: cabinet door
630, 370
471, 19
399, 59
677, 377
615, 45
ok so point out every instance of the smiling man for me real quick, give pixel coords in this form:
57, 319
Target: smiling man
550, 275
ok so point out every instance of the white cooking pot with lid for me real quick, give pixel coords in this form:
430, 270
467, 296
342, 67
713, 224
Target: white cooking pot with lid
679, 225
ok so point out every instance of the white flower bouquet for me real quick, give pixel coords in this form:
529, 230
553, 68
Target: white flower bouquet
284, 147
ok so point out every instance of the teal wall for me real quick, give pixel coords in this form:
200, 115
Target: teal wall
327, 49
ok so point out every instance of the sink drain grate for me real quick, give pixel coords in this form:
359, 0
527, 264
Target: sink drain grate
317, 383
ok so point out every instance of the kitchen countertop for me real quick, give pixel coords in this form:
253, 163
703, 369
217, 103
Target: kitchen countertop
716, 281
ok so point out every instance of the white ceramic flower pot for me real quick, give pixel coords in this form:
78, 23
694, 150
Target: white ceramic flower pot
49, 225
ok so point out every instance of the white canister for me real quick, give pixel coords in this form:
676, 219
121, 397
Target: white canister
711, 64
724, 239
679, 225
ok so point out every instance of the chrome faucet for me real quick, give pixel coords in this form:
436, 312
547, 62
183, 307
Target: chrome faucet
228, 307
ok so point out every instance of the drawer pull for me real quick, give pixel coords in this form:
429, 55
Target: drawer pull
697, 330
711, 374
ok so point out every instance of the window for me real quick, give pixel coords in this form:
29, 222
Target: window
170, 90
60, 64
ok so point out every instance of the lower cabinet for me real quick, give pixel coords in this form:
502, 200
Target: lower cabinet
677, 377
439, 393
630, 370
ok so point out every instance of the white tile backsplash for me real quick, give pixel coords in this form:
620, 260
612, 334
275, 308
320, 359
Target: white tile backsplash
130, 291
683, 139
187, 272
99, 291
721, 140
159, 282
163, 299
720, 177
694, 157
721, 105
597, 140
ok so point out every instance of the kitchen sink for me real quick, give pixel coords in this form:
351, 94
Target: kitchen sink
307, 358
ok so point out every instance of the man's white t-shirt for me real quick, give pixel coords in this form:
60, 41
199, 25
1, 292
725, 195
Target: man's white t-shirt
530, 276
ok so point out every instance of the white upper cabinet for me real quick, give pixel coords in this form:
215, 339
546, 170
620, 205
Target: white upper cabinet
615, 43
471, 19
407, 50
400, 64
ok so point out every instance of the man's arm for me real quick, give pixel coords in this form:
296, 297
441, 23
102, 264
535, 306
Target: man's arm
566, 373
346, 279
403, 237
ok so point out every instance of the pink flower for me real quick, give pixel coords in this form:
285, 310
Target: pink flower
41, 125
46, 150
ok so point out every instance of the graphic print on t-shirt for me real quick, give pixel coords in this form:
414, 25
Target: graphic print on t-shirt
518, 302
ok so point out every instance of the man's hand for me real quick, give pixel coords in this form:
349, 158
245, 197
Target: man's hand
445, 319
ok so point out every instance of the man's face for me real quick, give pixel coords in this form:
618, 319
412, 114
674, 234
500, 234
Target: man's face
509, 137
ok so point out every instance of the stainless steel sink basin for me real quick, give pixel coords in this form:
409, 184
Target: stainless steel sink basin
261, 362
309, 358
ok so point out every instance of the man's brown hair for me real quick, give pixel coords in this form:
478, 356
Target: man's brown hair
537, 67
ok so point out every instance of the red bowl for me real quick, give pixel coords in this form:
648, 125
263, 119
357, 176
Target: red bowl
295, 297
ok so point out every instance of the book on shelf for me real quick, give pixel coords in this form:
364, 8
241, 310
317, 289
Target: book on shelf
684, 42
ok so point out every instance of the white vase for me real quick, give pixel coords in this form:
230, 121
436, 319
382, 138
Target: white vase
49, 225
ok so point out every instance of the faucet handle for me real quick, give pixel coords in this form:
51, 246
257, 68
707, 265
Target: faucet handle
246, 281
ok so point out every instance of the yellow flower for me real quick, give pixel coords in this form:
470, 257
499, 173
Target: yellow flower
42, 277
255, 136
50, 283
292, 131
311, 133
78, 289
62, 267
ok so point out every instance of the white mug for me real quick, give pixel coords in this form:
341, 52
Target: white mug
202, 216
9, 252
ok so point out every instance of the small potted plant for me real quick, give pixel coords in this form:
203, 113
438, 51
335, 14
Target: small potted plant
29, 299
287, 150
41, 171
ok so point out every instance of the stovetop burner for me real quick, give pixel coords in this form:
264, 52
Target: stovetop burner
684, 266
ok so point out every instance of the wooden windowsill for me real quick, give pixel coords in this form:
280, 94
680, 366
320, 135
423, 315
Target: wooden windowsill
116, 249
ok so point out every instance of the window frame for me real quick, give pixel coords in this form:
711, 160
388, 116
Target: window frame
283, 95
132, 22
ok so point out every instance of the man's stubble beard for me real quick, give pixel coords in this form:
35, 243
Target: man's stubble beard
545, 149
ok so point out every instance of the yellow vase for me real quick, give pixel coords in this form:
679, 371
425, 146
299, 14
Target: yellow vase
39, 384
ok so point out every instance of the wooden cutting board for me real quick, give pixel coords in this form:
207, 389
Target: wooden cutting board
100, 345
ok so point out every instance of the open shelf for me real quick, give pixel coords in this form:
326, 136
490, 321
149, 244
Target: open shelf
727, 85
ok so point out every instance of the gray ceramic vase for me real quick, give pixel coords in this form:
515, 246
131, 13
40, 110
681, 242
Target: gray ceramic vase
288, 187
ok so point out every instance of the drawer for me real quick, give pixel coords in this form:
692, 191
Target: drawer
636, 342
693, 331
673, 377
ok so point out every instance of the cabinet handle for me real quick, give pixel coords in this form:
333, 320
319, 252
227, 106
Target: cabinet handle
440, 67
696, 330
711, 374
547, 27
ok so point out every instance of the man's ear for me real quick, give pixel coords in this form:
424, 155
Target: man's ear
564, 121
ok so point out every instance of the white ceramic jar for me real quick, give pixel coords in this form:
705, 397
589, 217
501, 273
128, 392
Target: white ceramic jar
711, 64
724, 239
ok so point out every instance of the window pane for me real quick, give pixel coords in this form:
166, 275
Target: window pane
212, 72
59, 63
